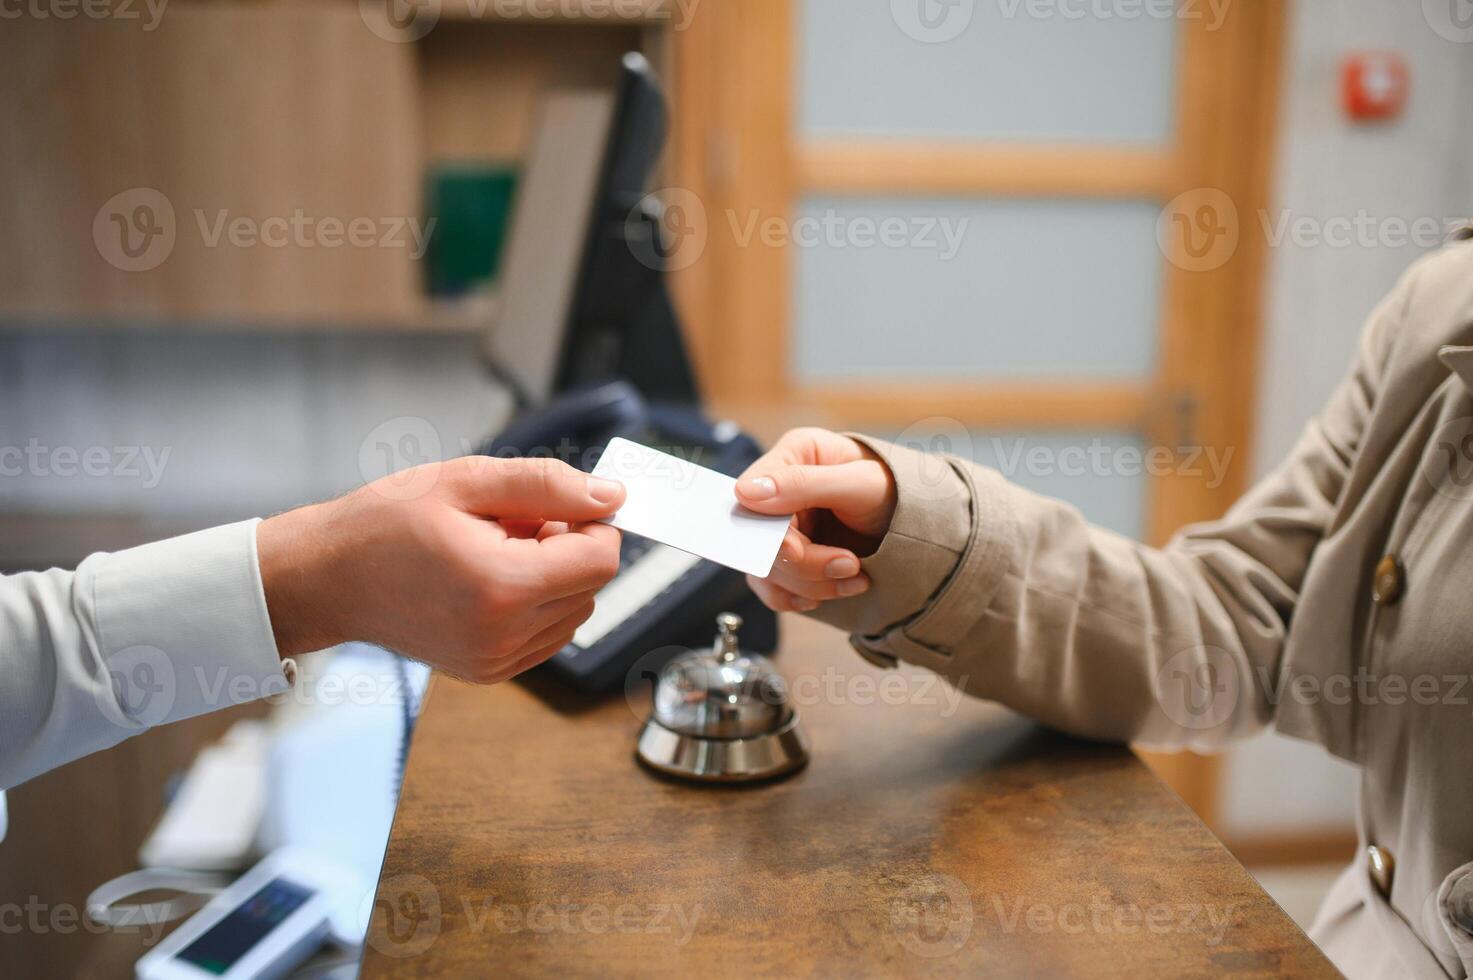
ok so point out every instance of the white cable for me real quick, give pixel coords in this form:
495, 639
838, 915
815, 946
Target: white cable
200, 887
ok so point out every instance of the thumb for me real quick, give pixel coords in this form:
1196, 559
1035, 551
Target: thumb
531, 489
857, 488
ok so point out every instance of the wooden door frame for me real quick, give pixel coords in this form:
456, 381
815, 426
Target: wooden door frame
739, 152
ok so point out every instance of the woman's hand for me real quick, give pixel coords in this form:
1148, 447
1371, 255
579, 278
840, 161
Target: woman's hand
480, 567
842, 496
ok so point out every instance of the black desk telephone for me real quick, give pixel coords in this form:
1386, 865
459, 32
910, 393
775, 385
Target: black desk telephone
662, 597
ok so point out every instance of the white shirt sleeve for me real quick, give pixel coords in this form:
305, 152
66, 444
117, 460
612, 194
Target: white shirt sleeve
128, 641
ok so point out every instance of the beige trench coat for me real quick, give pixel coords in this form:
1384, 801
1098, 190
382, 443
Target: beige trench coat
1334, 602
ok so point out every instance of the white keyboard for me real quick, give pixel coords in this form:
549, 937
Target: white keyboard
634, 588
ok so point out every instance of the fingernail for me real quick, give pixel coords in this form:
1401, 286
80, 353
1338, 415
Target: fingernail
604, 491
757, 487
853, 586
845, 567
805, 605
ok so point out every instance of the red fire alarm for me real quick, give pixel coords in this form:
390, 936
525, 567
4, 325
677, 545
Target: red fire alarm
1373, 85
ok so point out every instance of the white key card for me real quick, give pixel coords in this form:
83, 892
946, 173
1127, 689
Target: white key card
676, 502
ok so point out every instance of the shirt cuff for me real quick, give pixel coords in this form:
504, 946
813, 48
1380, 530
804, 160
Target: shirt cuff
182, 625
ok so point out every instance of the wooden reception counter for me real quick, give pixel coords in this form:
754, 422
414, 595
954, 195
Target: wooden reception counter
930, 835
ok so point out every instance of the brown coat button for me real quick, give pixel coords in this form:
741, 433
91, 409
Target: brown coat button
1390, 581
1382, 867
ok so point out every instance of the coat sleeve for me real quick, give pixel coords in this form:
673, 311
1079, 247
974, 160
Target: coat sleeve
1016, 598
130, 640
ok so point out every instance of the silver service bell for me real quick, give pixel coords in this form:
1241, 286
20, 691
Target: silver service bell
722, 716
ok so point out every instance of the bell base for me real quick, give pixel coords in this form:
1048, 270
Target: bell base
723, 760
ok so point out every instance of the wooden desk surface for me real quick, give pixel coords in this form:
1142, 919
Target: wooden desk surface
927, 836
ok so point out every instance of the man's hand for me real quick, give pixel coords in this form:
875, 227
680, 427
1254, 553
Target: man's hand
843, 497
484, 574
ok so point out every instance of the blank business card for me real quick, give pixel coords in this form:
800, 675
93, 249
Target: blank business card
676, 502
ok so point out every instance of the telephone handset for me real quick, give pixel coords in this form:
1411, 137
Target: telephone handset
662, 597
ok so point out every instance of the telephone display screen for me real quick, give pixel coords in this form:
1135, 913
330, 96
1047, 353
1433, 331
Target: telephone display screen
233, 936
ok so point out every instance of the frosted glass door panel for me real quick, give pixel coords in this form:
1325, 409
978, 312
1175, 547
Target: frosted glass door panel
975, 289
988, 69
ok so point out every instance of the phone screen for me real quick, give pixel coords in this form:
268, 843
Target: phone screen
224, 943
